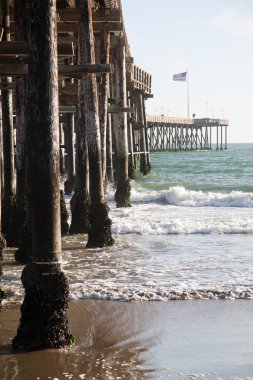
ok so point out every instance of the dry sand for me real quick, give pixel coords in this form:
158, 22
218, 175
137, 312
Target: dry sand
173, 340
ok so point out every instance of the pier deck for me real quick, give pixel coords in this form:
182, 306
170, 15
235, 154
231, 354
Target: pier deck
173, 134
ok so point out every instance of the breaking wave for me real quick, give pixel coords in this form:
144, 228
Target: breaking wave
179, 196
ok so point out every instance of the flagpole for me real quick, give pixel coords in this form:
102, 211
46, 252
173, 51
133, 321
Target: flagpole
188, 97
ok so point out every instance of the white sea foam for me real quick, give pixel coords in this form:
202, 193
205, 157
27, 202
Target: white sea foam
171, 268
160, 219
154, 268
179, 196
171, 244
161, 294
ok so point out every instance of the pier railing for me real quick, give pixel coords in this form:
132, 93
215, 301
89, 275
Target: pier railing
138, 79
162, 119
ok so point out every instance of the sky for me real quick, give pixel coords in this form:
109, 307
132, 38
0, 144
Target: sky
210, 39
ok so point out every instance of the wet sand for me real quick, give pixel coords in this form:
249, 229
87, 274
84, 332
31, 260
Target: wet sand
149, 340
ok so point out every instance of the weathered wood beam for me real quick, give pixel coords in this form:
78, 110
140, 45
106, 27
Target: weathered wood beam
73, 14
84, 69
5, 60
7, 86
67, 27
67, 100
68, 38
118, 109
20, 48
101, 16
71, 27
137, 125
111, 26
67, 14
63, 70
67, 109
69, 89
13, 69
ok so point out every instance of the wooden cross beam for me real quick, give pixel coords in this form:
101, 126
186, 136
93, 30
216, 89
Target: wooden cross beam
68, 89
137, 125
73, 14
67, 109
7, 85
72, 27
75, 71
118, 109
67, 100
20, 48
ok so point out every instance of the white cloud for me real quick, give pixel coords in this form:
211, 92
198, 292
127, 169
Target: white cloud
235, 22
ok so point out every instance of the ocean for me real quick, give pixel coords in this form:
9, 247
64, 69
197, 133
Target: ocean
188, 235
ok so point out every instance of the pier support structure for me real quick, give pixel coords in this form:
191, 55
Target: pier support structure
70, 150
99, 234
175, 134
9, 215
46, 286
123, 187
103, 95
139, 90
55, 71
2, 240
23, 254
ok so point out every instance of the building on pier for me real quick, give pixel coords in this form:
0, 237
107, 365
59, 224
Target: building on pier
175, 134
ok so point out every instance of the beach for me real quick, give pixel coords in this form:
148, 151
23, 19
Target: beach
172, 298
126, 199
145, 340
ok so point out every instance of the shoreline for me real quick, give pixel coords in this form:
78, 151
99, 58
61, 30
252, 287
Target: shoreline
204, 339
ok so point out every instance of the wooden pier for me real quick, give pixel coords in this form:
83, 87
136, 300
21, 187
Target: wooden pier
73, 111
175, 134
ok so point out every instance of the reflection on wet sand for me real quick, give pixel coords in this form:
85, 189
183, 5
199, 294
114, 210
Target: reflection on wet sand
140, 341
107, 347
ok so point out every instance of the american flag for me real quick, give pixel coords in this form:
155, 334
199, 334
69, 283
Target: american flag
180, 77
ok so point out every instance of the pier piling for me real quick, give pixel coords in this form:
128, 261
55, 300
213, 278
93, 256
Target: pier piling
123, 187
9, 214
46, 286
99, 234
70, 149
2, 240
103, 94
